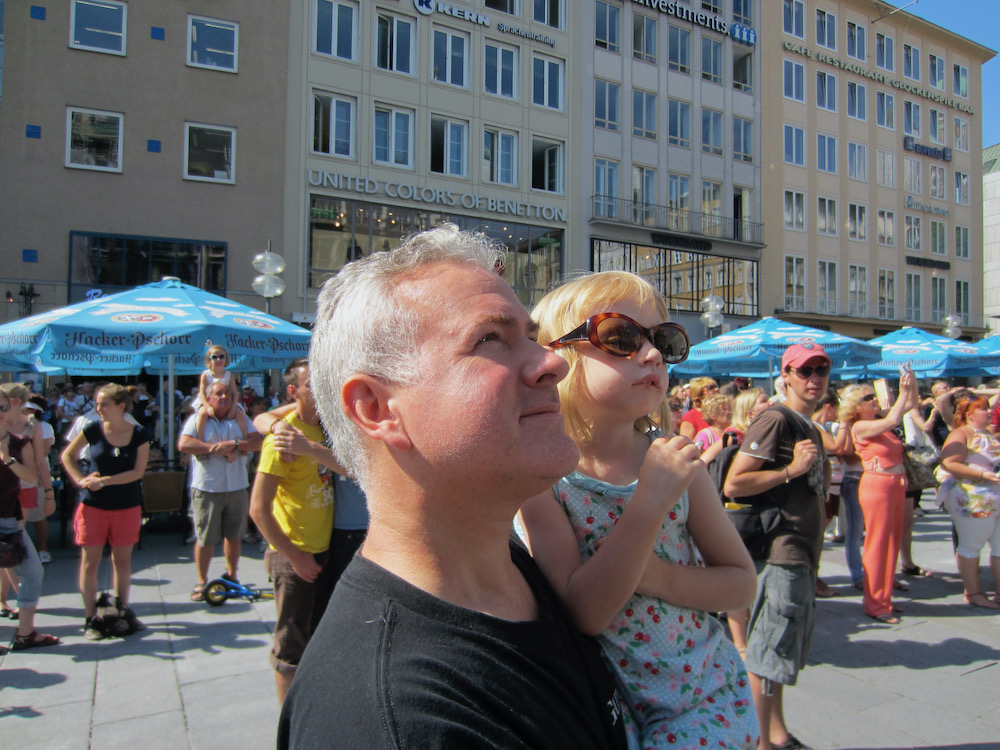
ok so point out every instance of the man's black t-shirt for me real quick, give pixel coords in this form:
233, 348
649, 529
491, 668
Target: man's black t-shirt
392, 666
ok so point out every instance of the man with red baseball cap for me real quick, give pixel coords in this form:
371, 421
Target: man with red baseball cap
782, 455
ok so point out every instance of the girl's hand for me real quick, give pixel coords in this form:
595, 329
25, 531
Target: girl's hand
92, 482
671, 464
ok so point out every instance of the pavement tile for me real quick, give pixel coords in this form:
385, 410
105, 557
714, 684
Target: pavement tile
155, 731
219, 708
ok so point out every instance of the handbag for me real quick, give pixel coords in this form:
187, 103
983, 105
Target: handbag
919, 474
12, 549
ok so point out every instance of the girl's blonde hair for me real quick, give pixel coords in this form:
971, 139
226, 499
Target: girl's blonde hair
743, 404
117, 393
216, 349
713, 407
565, 308
850, 403
15, 391
697, 388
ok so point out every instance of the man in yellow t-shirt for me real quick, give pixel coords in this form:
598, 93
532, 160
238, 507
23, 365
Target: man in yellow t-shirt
292, 505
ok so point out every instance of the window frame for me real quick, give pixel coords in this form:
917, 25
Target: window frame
857, 161
335, 31
939, 298
450, 35
885, 110
962, 191
611, 45
793, 18
121, 32
551, 13
501, 49
961, 134
606, 203
857, 290
712, 136
549, 146
712, 50
827, 283
798, 145
885, 227
860, 34
795, 281
826, 91
882, 168
886, 52
678, 60
913, 233
743, 139
938, 237
334, 121
962, 241
963, 299
794, 217
188, 127
611, 120
548, 64
450, 125
911, 62
644, 37
794, 73
886, 291
913, 177
960, 80
643, 114
857, 104
937, 182
496, 160
911, 118
392, 146
826, 216
935, 71
857, 222
235, 27
680, 111
394, 65
826, 29
828, 158
118, 166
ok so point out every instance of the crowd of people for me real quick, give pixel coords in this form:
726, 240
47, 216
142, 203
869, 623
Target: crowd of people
386, 479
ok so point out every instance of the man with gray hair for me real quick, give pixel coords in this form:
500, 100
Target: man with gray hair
442, 632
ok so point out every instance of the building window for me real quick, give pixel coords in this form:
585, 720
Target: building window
711, 132
209, 153
793, 18
960, 81
794, 81
886, 227
826, 287
546, 165
98, 26
678, 201
546, 82
961, 188
912, 233
857, 222
856, 100
935, 72
213, 44
549, 12
795, 145
795, 283
962, 242
913, 302
743, 12
886, 167
911, 119
333, 125
826, 216
448, 139
712, 6
500, 70
93, 139
742, 67
742, 139
711, 60
857, 161
644, 38
394, 48
643, 195
711, 208
679, 123
912, 182
885, 52
961, 134
962, 300
504, 6
936, 132
336, 29
678, 49
607, 24
885, 110
826, 153
937, 186
795, 210
606, 95
939, 298
450, 57
643, 114
826, 91
499, 156
938, 231
826, 29
911, 62
393, 136
606, 188
857, 291
886, 294
857, 41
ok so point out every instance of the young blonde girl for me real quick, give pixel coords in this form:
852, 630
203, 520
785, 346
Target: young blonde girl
216, 362
622, 537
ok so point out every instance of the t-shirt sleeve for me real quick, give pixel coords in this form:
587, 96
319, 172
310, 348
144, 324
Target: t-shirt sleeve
762, 438
270, 462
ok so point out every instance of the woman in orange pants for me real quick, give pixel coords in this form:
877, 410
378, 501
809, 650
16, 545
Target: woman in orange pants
882, 492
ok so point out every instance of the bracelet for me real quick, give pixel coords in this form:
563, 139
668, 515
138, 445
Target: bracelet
787, 477
271, 428
12, 461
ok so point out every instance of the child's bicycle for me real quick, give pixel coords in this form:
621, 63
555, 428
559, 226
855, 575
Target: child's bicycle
216, 592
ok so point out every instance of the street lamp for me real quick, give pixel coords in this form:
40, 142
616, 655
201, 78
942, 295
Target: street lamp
27, 294
268, 284
712, 317
951, 323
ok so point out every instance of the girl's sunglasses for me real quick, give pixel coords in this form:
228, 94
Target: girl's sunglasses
218, 356
621, 336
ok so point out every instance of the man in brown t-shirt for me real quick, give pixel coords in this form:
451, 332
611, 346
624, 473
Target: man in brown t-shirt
771, 459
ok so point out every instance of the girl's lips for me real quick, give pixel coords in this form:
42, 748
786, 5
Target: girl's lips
651, 380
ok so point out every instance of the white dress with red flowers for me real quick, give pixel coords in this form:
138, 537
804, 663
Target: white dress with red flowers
681, 676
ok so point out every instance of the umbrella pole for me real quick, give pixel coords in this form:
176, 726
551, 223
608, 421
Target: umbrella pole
170, 410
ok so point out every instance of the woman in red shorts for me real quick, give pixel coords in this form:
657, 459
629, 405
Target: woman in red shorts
111, 507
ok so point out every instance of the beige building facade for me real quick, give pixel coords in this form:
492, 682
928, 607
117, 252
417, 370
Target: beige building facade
873, 195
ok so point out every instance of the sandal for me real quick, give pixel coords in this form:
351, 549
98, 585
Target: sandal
823, 589
197, 593
887, 619
792, 743
13, 614
33, 640
986, 603
915, 570
900, 585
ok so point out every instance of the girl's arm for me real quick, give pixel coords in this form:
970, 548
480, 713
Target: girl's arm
203, 387
596, 589
712, 451
24, 469
135, 473
70, 458
727, 582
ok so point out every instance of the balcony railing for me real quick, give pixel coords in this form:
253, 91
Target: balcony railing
623, 211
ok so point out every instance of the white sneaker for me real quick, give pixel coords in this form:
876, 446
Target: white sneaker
44, 557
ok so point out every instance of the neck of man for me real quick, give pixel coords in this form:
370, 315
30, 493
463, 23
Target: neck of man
796, 403
309, 416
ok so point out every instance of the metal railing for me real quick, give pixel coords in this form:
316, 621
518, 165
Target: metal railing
624, 211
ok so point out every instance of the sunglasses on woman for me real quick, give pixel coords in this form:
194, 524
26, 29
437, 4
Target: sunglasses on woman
4, 408
621, 336
868, 397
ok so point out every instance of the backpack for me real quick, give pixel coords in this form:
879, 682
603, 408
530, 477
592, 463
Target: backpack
718, 467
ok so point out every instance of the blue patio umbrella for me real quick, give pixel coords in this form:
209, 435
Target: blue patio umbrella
990, 349
929, 355
755, 350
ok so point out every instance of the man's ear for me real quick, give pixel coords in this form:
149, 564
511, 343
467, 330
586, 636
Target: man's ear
368, 403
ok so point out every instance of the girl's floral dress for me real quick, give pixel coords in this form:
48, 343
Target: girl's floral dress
681, 677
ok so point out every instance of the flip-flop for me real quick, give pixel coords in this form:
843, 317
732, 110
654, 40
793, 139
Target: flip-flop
900, 585
887, 619
915, 570
197, 593
11, 613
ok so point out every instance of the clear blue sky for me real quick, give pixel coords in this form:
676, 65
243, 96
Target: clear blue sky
975, 20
